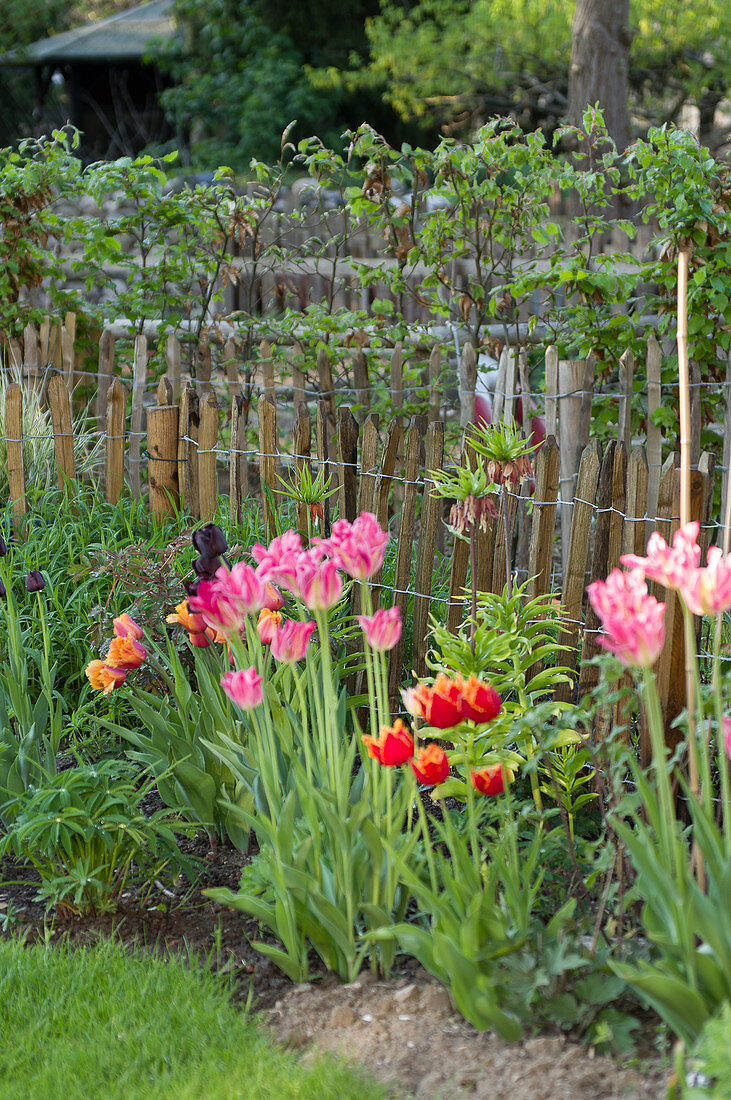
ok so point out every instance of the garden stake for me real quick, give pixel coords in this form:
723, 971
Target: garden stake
685, 443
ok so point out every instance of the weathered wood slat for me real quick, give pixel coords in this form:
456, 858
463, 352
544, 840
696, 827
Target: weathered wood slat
268, 462
636, 507
578, 553
589, 674
139, 376
238, 472
207, 455
302, 450
404, 553
430, 519
14, 451
347, 463
162, 445
115, 435
105, 375
188, 480
59, 400
540, 560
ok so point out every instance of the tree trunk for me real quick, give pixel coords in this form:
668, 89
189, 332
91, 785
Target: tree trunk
600, 47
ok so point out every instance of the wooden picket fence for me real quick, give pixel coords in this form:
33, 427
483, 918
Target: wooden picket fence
604, 514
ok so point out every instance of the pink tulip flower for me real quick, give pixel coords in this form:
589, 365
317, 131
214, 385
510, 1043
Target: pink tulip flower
357, 547
383, 629
632, 620
670, 566
290, 641
243, 687
242, 586
708, 591
278, 561
217, 609
318, 583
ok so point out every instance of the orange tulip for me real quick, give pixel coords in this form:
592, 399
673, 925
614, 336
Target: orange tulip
431, 765
267, 624
492, 779
126, 653
103, 678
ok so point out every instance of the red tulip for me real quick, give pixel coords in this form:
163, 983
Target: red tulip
394, 746
492, 779
431, 765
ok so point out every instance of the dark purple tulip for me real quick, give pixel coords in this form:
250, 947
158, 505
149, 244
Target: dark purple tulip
3, 591
206, 567
3, 547
210, 541
34, 582
191, 587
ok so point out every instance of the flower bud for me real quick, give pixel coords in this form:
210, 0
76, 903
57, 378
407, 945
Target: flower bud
34, 582
210, 541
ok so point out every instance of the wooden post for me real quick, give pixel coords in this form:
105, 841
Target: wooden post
238, 487
207, 444
626, 383
394, 438
726, 459
188, 480
299, 382
574, 578
105, 375
618, 508
551, 390
323, 460
14, 445
540, 560
172, 361
467, 384
403, 555
162, 445
267, 461
302, 451
139, 374
430, 514
432, 381
637, 478
59, 399
31, 356
361, 383
587, 397
203, 368
589, 674
347, 463
327, 395
368, 460
231, 366
570, 381
458, 575
114, 418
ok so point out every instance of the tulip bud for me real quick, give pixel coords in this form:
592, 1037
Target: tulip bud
3, 547
207, 567
34, 582
3, 591
210, 541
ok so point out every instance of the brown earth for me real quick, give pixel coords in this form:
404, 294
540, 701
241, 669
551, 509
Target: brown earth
404, 1030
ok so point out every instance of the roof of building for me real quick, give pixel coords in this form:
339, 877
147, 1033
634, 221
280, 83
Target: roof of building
122, 37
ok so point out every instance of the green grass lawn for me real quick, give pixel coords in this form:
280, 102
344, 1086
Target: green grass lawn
101, 1023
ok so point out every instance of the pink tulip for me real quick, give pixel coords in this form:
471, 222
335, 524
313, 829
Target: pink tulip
357, 547
243, 687
217, 609
726, 731
289, 642
125, 627
633, 621
383, 629
670, 566
318, 583
278, 561
242, 586
708, 591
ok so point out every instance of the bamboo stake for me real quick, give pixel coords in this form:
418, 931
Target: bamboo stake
685, 446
